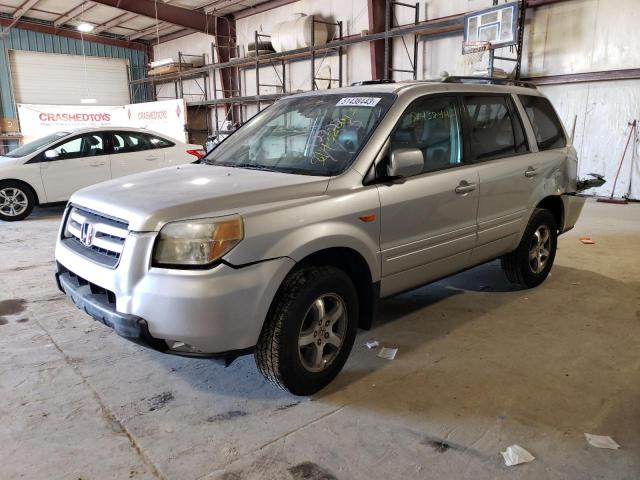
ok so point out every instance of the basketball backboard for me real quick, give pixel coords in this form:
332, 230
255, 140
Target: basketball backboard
497, 25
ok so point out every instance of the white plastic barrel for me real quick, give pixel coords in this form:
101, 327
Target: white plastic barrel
295, 32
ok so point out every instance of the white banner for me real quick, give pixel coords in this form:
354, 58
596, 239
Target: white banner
167, 117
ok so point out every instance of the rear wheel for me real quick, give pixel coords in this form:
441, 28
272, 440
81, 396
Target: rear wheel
16, 201
309, 331
530, 263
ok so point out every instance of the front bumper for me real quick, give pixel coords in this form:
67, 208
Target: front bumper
97, 305
187, 312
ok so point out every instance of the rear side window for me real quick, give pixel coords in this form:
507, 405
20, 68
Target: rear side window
495, 129
159, 142
126, 142
546, 124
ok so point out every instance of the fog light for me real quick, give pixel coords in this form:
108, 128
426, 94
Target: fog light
177, 346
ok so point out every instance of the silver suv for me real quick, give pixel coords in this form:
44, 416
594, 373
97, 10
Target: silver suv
284, 238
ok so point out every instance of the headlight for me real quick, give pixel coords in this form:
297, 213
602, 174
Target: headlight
197, 243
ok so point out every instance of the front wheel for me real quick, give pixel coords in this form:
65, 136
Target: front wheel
16, 201
309, 331
530, 263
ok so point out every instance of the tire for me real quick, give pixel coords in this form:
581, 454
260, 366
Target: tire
520, 266
294, 318
16, 201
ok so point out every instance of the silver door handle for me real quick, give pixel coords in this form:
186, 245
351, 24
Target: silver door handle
97, 165
151, 159
465, 187
530, 172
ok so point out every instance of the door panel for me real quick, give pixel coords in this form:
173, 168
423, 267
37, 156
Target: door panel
82, 161
424, 220
508, 173
429, 220
505, 195
133, 152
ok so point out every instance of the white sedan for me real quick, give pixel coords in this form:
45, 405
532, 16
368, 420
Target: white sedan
50, 169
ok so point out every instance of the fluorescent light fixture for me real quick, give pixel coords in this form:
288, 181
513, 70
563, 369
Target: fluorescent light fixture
88, 100
85, 27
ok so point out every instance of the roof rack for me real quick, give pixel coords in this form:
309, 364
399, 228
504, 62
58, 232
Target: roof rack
492, 80
372, 82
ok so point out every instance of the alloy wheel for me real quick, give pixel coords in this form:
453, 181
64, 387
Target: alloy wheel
539, 249
322, 332
13, 201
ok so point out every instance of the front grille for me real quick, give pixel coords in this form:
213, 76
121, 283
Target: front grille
95, 236
109, 298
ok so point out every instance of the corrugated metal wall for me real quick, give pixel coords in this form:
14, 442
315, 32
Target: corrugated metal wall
20, 39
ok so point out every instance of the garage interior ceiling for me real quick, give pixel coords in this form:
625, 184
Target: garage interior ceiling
111, 21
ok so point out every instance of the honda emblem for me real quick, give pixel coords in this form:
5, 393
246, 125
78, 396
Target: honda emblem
86, 234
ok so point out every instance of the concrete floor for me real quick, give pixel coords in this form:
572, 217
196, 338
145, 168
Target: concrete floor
480, 366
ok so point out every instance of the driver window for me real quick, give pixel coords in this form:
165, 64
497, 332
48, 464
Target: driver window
88, 145
431, 125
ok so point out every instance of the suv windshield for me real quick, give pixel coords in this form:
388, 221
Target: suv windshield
29, 148
308, 135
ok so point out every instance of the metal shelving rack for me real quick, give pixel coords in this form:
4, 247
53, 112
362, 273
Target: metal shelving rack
390, 19
337, 49
522, 13
145, 87
177, 78
236, 99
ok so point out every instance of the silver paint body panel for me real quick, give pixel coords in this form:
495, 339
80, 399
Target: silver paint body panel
423, 230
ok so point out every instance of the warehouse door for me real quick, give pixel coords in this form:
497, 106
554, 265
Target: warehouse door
56, 79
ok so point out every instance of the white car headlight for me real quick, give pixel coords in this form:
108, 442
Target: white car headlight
197, 243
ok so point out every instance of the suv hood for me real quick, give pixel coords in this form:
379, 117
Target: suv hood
151, 199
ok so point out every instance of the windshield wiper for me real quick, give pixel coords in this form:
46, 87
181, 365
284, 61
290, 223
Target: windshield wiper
251, 166
264, 168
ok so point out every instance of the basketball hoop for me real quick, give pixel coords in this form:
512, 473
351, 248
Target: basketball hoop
474, 51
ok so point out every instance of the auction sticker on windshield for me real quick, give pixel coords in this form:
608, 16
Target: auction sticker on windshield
358, 101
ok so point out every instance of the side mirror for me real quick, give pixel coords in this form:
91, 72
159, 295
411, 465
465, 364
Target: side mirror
405, 162
51, 154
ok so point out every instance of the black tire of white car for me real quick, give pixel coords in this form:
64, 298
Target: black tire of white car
530, 263
13, 196
279, 356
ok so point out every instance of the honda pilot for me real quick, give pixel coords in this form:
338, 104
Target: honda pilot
281, 242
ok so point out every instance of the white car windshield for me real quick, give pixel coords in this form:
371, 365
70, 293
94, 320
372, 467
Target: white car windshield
31, 147
308, 135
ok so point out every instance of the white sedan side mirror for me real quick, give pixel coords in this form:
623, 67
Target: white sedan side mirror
51, 154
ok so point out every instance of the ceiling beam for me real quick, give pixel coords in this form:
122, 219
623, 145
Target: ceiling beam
162, 26
260, 8
195, 20
220, 4
174, 35
114, 22
63, 32
73, 13
24, 8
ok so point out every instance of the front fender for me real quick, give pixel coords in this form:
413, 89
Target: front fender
29, 174
316, 238
300, 231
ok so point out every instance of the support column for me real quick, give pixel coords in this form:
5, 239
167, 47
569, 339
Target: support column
376, 48
8, 114
225, 50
